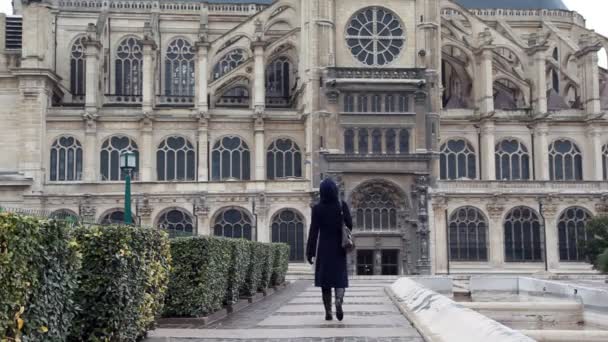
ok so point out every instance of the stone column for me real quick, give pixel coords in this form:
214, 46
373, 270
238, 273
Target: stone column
439, 231
260, 150
421, 108
259, 82
262, 232
550, 226
144, 211
496, 245
383, 131
485, 81
92, 95
202, 74
487, 155
539, 75
203, 150
541, 151
594, 161
147, 151
90, 150
148, 78
356, 140
590, 84
201, 210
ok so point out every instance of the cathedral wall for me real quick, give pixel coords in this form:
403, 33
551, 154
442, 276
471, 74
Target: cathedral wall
9, 127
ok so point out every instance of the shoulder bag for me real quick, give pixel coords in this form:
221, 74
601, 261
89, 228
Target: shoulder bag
347, 237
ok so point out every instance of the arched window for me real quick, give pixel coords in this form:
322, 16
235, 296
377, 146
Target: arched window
231, 159
363, 141
229, 62
349, 104
362, 104
128, 73
404, 141
179, 68
78, 67
389, 103
565, 161
288, 227
233, 223
176, 160
523, 237
403, 104
278, 83
605, 161
375, 208
349, 141
377, 141
376, 104
109, 158
391, 141
572, 234
457, 160
512, 160
66, 160
283, 159
114, 217
468, 235
176, 222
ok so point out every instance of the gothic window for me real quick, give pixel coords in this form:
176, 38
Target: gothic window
179, 68
229, 62
283, 159
377, 141
349, 104
389, 103
457, 160
605, 161
403, 104
288, 228
129, 59
278, 78
565, 161
66, 160
176, 222
375, 36
573, 234
404, 141
375, 208
109, 157
362, 104
349, 141
233, 223
512, 160
230, 159
468, 229
78, 67
376, 104
176, 160
363, 141
235, 97
391, 141
523, 237
114, 217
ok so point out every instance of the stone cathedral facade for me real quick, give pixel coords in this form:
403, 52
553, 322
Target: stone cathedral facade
467, 136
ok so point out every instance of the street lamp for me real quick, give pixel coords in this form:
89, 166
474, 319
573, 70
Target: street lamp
128, 163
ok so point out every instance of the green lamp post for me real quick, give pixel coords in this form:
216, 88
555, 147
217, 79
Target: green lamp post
128, 163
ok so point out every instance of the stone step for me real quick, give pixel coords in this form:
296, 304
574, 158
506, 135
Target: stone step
247, 334
389, 319
348, 308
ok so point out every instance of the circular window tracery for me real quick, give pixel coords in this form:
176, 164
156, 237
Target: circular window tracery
375, 36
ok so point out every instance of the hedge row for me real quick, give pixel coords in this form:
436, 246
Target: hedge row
82, 284
209, 272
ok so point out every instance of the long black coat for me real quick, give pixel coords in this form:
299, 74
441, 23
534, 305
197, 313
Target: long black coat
330, 257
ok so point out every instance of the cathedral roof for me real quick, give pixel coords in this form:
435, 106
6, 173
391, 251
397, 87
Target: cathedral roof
514, 4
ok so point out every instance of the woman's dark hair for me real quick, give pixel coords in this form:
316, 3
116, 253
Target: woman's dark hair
329, 191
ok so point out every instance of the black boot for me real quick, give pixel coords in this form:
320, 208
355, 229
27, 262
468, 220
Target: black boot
327, 303
339, 302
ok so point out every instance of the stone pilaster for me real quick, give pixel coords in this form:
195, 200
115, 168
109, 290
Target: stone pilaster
420, 192
261, 210
594, 134
93, 48
260, 149
488, 143
201, 210
549, 211
485, 81
144, 211
259, 82
440, 205
538, 52
147, 150
203, 147
148, 92
590, 84
496, 209
86, 210
202, 75
541, 149
91, 152
421, 107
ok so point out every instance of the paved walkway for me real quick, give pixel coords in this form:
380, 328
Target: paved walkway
296, 314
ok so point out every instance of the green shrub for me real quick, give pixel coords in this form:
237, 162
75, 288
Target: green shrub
281, 264
239, 265
267, 267
597, 229
122, 282
602, 261
254, 273
38, 263
199, 277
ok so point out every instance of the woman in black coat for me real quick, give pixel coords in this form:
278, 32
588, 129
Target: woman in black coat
325, 246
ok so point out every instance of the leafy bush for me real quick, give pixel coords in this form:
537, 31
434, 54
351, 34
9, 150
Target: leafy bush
122, 282
199, 276
281, 263
239, 265
597, 230
267, 267
38, 264
602, 261
254, 273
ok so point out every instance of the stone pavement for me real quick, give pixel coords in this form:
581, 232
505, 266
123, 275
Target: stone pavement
296, 314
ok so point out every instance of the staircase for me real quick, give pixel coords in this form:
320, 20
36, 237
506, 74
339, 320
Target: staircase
300, 271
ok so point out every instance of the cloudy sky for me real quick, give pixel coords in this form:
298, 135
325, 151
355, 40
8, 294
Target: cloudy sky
595, 11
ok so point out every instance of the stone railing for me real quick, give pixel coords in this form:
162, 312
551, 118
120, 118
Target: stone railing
522, 14
173, 6
476, 186
233, 101
372, 73
174, 100
113, 99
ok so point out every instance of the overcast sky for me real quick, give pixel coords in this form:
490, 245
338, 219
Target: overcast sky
595, 11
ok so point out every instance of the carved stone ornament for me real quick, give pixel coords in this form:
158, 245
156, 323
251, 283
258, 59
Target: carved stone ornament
393, 195
201, 207
144, 209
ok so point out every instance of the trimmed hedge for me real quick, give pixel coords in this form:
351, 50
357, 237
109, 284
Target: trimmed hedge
199, 276
239, 265
281, 263
122, 282
38, 262
602, 262
254, 273
267, 267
